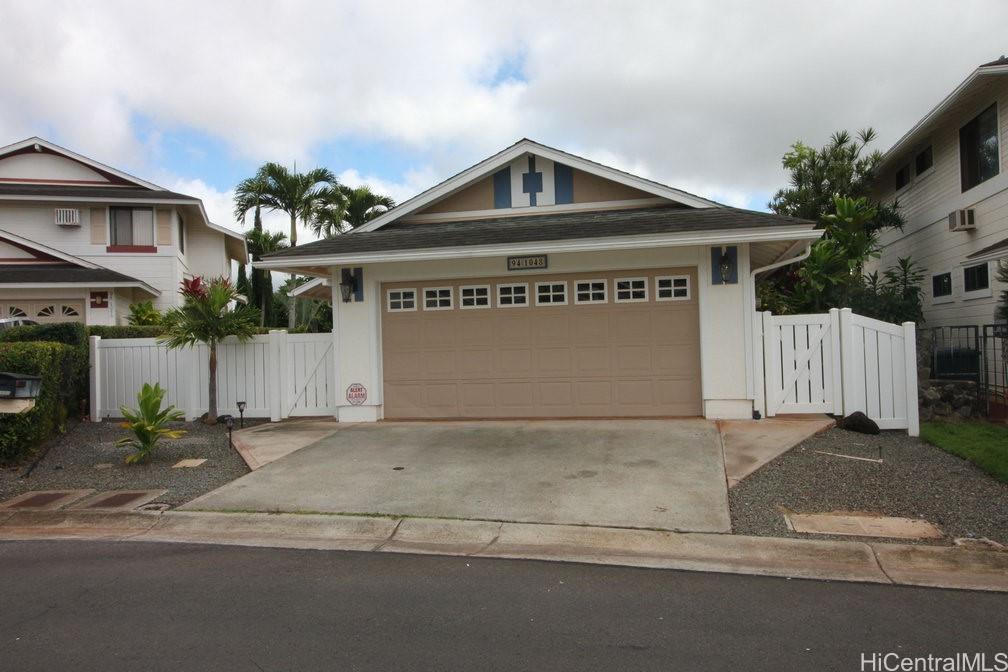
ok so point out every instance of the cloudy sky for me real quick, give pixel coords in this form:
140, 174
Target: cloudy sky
704, 96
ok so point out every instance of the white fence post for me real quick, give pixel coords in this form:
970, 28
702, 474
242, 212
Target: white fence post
836, 357
910, 352
758, 372
95, 378
276, 362
770, 362
847, 362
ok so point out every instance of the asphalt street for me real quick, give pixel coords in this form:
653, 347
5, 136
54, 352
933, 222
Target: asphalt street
74, 605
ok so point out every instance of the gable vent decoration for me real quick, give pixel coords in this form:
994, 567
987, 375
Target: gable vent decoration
67, 217
962, 220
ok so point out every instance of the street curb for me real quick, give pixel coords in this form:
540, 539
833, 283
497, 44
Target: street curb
899, 564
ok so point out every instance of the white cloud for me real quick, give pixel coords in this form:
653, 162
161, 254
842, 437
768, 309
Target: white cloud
688, 93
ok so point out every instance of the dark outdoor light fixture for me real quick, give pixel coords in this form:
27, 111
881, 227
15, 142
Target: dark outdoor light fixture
347, 288
241, 412
352, 284
724, 265
229, 421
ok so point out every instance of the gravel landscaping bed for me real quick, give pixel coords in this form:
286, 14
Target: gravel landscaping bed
86, 457
914, 480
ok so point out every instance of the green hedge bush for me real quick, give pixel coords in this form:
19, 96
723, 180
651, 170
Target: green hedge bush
56, 364
126, 331
68, 333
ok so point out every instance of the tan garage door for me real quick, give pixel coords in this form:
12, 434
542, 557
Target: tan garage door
44, 312
615, 344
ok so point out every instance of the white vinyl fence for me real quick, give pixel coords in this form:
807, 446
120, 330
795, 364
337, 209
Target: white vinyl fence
839, 363
278, 375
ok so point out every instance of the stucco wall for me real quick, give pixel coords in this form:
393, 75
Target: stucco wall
723, 320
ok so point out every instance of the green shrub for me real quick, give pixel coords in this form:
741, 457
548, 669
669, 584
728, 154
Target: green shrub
148, 422
54, 362
127, 331
144, 314
68, 333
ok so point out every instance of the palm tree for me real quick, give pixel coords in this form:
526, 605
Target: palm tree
248, 197
346, 208
261, 243
297, 194
207, 316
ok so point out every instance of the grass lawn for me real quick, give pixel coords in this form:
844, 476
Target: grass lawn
982, 443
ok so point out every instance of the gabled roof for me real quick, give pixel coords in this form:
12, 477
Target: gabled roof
37, 144
526, 146
110, 193
993, 252
931, 119
67, 269
667, 225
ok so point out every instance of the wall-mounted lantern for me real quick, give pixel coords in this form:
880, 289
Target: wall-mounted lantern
352, 284
724, 265
18, 391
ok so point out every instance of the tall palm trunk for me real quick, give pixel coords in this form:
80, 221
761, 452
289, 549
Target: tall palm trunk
263, 287
211, 416
291, 300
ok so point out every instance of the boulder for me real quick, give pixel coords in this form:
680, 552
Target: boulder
942, 409
858, 422
930, 395
965, 412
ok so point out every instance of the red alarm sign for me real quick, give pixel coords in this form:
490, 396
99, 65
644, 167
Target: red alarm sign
356, 394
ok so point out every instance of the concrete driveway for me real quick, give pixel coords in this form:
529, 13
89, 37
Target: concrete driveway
661, 474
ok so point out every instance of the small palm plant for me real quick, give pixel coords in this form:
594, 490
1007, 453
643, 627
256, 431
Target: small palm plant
148, 423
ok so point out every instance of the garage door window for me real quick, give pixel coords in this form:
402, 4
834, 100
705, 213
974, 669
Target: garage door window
551, 293
401, 299
631, 290
591, 291
474, 297
672, 288
511, 296
437, 298
14, 311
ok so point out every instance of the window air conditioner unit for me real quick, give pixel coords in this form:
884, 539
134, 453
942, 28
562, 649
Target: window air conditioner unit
962, 220
67, 216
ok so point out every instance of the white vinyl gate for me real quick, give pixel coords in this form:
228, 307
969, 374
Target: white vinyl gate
277, 375
839, 363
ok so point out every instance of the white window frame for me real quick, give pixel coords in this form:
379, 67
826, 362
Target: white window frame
589, 302
388, 300
550, 284
451, 298
512, 285
489, 297
948, 298
615, 287
672, 279
984, 293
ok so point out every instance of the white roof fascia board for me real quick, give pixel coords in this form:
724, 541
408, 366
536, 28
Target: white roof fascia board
308, 286
30, 142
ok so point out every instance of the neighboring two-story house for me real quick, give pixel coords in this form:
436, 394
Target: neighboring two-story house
80, 241
949, 174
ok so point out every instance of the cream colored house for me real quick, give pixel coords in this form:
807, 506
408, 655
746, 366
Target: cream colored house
949, 174
540, 284
80, 241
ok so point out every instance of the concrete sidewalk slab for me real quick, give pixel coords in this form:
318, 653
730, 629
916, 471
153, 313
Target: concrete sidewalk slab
266, 443
655, 474
346, 533
797, 558
944, 566
886, 527
749, 444
75, 525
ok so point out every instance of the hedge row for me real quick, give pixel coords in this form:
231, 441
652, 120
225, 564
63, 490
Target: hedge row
56, 364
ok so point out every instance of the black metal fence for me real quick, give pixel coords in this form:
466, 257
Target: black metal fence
956, 353
994, 348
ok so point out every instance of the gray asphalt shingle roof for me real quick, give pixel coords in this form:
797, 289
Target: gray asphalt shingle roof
996, 247
77, 191
11, 274
541, 228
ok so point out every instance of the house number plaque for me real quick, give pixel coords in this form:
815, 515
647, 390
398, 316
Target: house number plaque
526, 263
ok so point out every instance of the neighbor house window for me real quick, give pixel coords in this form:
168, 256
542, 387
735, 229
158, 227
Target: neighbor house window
978, 149
924, 160
474, 297
591, 291
512, 295
672, 288
941, 285
975, 278
903, 177
551, 293
181, 234
437, 298
132, 227
631, 290
401, 299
